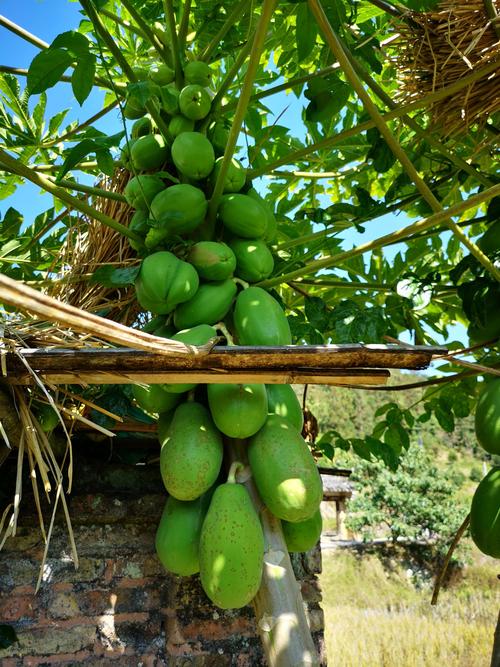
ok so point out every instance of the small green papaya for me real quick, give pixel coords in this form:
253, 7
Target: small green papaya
238, 410
47, 417
193, 155
179, 209
284, 470
139, 223
283, 401
303, 535
243, 216
485, 514
194, 102
254, 260
161, 74
141, 190
178, 534
198, 335
231, 548
259, 319
198, 72
487, 417
191, 454
179, 124
212, 260
149, 152
209, 305
272, 225
235, 176
164, 281
142, 127
152, 399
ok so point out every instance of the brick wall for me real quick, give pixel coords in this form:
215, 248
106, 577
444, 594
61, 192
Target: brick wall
120, 607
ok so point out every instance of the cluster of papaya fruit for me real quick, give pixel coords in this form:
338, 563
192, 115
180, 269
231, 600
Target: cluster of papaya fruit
197, 278
485, 508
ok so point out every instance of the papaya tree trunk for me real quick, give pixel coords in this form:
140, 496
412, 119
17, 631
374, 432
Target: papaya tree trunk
279, 608
495, 656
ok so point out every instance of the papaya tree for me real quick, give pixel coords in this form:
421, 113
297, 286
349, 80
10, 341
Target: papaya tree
254, 147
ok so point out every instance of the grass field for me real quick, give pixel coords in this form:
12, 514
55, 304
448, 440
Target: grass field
375, 615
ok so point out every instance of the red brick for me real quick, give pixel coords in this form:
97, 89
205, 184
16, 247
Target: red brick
18, 607
215, 630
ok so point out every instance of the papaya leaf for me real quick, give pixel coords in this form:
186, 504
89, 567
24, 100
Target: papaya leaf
306, 32
46, 69
74, 42
82, 79
110, 276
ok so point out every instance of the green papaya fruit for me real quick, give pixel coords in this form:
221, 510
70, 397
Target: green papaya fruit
259, 319
179, 124
213, 261
485, 514
149, 152
209, 305
235, 176
164, 422
193, 155
164, 281
194, 102
141, 190
198, 335
283, 401
191, 454
303, 535
142, 127
161, 74
179, 209
272, 225
47, 417
178, 534
284, 470
198, 72
243, 216
152, 399
487, 417
218, 133
139, 223
231, 548
238, 410
254, 260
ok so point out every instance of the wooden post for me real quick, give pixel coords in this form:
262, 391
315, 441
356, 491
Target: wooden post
341, 529
279, 608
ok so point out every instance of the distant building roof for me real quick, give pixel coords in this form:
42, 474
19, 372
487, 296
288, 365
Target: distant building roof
336, 483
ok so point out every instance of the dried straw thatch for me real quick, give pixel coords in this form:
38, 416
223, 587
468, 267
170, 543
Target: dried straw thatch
90, 245
438, 47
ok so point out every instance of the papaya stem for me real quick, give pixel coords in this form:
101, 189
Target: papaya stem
237, 12
145, 29
21, 32
88, 189
246, 90
184, 26
241, 282
125, 24
220, 326
236, 466
102, 31
174, 42
43, 182
81, 126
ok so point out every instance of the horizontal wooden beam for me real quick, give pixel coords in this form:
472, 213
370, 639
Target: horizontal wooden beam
296, 358
354, 376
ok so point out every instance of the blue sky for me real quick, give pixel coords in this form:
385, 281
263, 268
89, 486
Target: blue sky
48, 18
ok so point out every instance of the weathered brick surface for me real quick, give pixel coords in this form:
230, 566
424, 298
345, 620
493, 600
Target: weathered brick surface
120, 608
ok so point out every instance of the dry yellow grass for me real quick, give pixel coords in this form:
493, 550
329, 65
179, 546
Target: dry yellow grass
376, 617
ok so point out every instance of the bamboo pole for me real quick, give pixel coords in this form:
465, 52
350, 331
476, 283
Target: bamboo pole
279, 608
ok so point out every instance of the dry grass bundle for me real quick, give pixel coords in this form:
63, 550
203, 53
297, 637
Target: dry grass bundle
90, 245
439, 47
